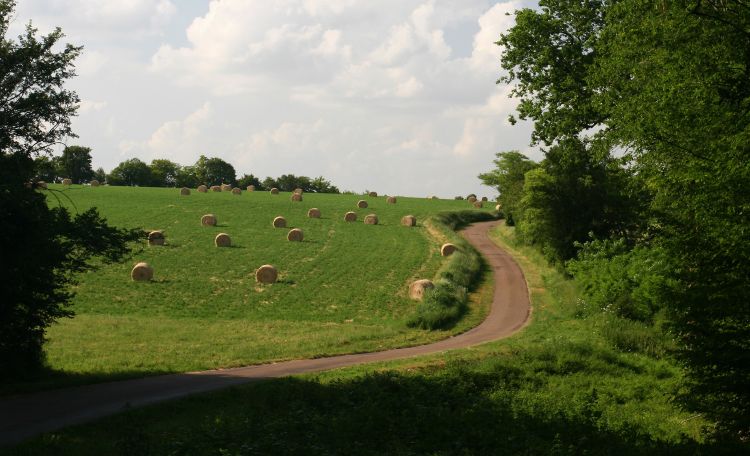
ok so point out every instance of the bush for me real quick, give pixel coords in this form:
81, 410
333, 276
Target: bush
444, 305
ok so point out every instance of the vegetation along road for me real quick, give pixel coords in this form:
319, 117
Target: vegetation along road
27, 415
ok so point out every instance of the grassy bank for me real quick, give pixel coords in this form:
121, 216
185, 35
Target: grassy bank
561, 386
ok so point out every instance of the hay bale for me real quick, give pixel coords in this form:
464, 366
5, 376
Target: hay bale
236, 191
409, 220
298, 191
226, 187
418, 287
484, 198
156, 237
373, 194
362, 204
433, 197
391, 200
498, 207
350, 216
202, 189
184, 191
371, 219
223, 240
41, 184
266, 274
447, 249
208, 220
472, 199
295, 235
313, 213
215, 188
274, 191
67, 182
279, 222
251, 188
471, 195
142, 272
94, 183
478, 204
296, 197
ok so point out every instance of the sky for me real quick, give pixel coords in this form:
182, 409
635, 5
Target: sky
395, 96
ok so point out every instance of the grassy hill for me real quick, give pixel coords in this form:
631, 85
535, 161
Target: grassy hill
343, 289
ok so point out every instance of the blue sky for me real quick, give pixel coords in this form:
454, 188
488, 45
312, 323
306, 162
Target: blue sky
396, 96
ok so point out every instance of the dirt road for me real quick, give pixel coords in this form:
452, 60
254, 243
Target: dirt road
28, 415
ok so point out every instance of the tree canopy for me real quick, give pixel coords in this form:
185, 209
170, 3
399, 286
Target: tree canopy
642, 110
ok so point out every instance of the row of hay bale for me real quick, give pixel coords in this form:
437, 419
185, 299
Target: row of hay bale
144, 272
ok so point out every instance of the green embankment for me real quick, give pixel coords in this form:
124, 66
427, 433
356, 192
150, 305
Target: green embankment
561, 386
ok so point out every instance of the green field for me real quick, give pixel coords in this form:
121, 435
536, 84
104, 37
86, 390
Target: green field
341, 290
564, 385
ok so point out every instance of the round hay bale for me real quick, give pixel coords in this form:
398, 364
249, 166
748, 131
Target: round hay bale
41, 184
202, 189
484, 198
156, 238
471, 195
418, 287
296, 196
433, 197
472, 199
142, 272
350, 216
478, 204
208, 220
409, 220
251, 188
274, 191
371, 219
295, 235
313, 213
447, 249
184, 191
67, 182
226, 187
266, 274
362, 204
236, 191
498, 207
298, 191
215, 188
223, 240
391, 200
279, 222
373, 194
94, 183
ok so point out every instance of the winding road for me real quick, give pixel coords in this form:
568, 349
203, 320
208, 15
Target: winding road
25, 416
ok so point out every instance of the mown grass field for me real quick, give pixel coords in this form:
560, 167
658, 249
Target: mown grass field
563, 385
341, 290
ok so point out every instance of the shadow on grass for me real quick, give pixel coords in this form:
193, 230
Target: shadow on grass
48, 378
464, 408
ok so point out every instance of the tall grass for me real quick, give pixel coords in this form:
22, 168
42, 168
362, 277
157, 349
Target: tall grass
443, 306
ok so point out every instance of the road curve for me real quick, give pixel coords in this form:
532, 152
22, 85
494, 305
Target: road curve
28, 415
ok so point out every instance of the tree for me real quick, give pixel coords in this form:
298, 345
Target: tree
164, 173
186, 177
677, 83
508, 179
76, 164
214, 171
321, 185
42, 247
46, 168
249, 179
131, 172
99, 174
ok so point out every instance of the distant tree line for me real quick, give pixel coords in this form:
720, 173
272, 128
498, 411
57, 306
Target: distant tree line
75, 164
643, 194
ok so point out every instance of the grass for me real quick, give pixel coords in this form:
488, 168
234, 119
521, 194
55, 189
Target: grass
558, 387
342, 290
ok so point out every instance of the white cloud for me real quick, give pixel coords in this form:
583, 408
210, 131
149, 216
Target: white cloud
89, 106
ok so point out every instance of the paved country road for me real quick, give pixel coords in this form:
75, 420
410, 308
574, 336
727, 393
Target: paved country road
28, 415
